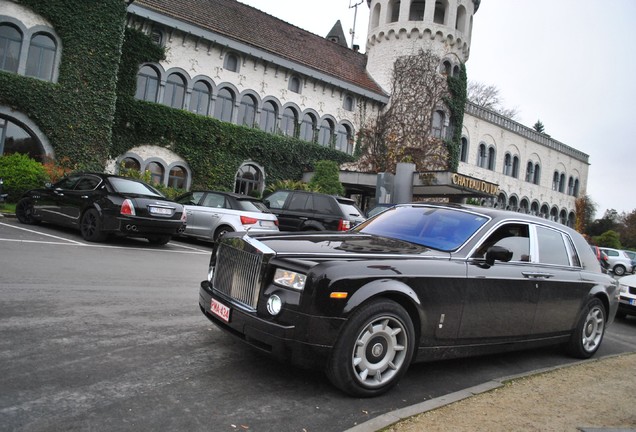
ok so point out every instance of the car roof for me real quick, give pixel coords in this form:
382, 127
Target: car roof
231, 194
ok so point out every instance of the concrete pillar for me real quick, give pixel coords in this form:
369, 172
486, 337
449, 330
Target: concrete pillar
403, 184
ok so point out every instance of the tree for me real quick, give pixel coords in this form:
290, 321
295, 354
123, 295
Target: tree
487, 96
538, 126
609, 222
326, 178
609, 239
403, 132
627, 230
585, 211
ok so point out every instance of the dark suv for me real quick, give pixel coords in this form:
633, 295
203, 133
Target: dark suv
312, 211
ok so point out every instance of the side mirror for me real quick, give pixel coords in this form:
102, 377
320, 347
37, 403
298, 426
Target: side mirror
48, 185
497, 253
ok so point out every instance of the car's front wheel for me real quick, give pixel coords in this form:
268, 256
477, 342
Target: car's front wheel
374, 349
91, 227
589, 330
24, 211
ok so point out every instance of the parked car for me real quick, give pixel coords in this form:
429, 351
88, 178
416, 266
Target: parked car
618, 260
601, 257
415, 283
632, 256
213, 213
102, 204
312, 211
627, 301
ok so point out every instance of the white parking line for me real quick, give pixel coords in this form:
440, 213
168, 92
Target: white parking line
69, 242
41, 233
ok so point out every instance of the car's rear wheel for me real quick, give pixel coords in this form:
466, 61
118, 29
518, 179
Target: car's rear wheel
91, 227
619, 270
24, 211
159, 240
220, 231
589, 331
374, 349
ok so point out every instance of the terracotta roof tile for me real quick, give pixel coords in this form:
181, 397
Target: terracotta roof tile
251, 26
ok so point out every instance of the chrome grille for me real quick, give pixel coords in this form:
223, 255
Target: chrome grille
237, 274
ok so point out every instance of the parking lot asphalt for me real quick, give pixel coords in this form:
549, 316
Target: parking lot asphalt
109, 337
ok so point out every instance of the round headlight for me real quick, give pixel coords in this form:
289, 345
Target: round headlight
274, 304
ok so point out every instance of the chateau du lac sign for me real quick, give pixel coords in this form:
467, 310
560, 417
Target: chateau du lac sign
475, 184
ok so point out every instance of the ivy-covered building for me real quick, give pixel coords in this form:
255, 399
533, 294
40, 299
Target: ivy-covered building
217, 94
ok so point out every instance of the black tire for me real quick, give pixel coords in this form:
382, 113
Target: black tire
24, 212
220, 231
91, 227
589, 331
619, 270
374, 349
159, 240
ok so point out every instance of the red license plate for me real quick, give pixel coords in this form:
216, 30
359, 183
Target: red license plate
220, 310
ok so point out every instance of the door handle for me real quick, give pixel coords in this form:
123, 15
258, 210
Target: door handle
537, 275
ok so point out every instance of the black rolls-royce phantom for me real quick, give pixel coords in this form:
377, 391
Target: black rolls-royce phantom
416, 282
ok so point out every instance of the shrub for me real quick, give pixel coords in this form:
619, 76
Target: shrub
20, 173
326, 178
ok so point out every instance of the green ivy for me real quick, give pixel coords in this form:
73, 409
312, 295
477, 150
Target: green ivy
457, 86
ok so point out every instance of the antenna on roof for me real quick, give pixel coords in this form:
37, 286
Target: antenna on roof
355, 14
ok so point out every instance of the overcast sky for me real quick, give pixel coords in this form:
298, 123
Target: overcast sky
569, 63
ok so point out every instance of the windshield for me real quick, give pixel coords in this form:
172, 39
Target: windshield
126, 186
437, 228
252, 205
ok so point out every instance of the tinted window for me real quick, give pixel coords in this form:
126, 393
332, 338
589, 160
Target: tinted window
249, 205
68, 182
300, 201
350, 209
191, 198
514, 237
87, 183
437, 228
126, 186
323, 204
214, 200
277, 199
552, 249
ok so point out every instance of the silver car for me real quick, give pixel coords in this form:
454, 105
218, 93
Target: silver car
619, 262
212, 214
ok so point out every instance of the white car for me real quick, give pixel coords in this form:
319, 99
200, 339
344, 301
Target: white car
627, 302
212, 214
619, 262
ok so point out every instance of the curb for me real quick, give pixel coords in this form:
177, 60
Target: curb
390, 418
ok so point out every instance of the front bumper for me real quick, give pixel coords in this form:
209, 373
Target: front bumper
627, 305
295, 343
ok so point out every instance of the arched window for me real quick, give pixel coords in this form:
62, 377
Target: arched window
344, 139
446, 67
555, 181
534, 208
177, 177
523, 207
463, 156
491, 158
440, 12
482, 156
513, 203
294, 84
438, 124
515, 167
174, 93
224, 106
41, 58
394, 10
15, 139
130, 163
247, 111
507, 169
10, 46
347, 103
554, 214
307, 128
325, 134
375, 16
147, 84
268, 117
417, 10
530, 171
537, 174
156, 172
288, 122
249, 180
545, 211
231, 62
571, 186
562, 183
200, 98
576, 188
460, 22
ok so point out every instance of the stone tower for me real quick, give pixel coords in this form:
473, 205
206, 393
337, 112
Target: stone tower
398, 28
